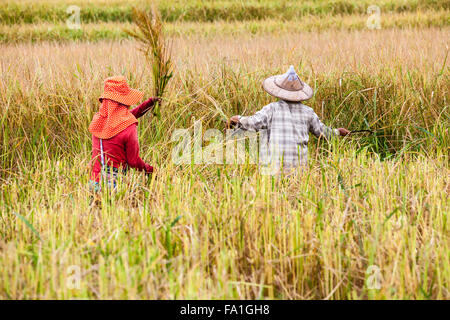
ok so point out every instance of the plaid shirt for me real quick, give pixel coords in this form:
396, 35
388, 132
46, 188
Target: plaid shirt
284, 128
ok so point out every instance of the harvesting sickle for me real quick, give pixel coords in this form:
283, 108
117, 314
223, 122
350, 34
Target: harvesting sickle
362, 131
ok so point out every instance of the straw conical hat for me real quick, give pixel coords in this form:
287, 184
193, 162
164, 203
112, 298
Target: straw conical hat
288, 86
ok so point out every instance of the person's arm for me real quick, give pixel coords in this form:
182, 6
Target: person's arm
260, 120
142, 109
317, 128
132, 152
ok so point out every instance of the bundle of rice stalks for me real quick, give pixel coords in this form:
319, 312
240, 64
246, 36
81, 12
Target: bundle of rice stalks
156, 48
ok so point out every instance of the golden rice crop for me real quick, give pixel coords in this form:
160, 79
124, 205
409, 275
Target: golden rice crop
368, 219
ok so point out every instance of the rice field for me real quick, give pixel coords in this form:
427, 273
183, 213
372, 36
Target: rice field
32, 11
367, 219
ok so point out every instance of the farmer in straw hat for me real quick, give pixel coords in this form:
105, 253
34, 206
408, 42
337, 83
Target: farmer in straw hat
286, 123
115, 143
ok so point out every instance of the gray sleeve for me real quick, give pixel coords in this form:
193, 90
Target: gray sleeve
317, 128
260, 120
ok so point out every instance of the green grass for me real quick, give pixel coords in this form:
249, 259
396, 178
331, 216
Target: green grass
100, 20
116, 31
12, 12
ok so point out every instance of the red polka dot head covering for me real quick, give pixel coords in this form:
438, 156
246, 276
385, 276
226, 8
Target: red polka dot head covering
117, 89
114, 116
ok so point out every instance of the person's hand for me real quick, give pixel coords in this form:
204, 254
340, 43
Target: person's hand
343, 132
155, 99
234, 119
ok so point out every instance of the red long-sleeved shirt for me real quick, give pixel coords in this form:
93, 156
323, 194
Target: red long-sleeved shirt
122, 150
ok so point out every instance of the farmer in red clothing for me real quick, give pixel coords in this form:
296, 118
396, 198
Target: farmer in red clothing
115, 143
